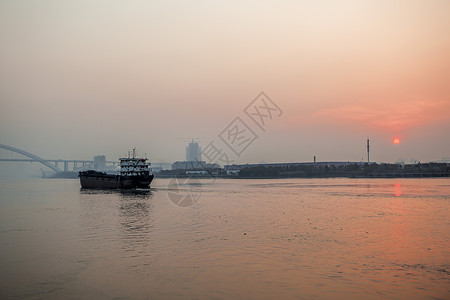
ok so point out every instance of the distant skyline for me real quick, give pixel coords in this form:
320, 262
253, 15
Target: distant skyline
83, 78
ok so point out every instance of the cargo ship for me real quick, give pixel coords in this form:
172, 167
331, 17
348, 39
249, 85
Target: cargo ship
134, 173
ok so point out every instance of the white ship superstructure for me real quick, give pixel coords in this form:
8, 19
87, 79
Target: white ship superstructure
134, 166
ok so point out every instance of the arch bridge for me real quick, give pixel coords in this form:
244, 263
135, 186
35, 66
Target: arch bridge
50, 163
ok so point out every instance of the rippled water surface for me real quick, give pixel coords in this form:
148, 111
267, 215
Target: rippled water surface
242, 239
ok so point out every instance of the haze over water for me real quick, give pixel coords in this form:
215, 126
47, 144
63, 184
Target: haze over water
243, 239
89, 77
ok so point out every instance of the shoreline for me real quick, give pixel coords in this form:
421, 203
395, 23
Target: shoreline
386, 176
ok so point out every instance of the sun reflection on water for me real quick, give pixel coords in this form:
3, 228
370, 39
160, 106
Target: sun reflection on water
397, 190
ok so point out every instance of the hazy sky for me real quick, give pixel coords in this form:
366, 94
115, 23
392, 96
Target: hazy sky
81, 78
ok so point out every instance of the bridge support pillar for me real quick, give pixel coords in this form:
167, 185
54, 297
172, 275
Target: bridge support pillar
66, 166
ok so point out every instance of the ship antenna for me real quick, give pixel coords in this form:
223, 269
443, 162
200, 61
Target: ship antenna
134, 152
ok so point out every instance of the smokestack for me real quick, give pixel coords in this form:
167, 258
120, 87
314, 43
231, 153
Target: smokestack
368, 146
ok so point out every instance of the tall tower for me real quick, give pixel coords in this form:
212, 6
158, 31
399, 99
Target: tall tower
193, 152
368, 146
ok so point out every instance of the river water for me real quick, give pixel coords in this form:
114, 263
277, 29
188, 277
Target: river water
226, 239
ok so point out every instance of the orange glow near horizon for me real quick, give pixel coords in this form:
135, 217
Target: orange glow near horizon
396, 141
339, 71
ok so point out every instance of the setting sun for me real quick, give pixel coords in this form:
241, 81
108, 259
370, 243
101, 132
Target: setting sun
396, 141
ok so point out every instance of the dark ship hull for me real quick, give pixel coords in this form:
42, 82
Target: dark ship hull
100, 180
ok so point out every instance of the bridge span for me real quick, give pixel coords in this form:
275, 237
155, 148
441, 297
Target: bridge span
50, 163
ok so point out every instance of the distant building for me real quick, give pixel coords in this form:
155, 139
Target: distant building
99, 162
233, 172
194, 165
285, 165
196, 172
444, 160
157, 167
193, 152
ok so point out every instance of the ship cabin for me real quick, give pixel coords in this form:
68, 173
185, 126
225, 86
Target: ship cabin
134, 167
